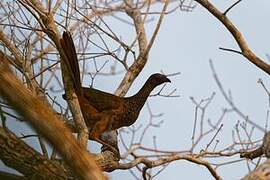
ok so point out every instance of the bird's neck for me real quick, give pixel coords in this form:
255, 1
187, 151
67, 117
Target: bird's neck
142, 95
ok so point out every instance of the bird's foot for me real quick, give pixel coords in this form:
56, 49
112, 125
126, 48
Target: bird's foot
107, 146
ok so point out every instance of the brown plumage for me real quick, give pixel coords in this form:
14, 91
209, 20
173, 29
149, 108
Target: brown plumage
103, 111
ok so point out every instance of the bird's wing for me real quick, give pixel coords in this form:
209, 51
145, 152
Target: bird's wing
102, 101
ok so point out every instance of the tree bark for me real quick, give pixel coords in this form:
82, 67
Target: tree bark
47, 123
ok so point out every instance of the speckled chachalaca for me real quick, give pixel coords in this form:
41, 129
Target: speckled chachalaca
103, 111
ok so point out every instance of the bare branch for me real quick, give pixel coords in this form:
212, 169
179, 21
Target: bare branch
234, 4
230, 101
246, 51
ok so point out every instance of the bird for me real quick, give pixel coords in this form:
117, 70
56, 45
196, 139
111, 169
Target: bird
103, 111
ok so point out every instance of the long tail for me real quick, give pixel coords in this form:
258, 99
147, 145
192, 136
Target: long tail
89, 112
72, 63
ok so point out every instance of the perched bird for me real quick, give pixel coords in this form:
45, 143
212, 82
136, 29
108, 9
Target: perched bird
103, 111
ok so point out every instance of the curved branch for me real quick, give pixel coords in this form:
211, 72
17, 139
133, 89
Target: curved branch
48, 25
246, 51
144, 47
161, 161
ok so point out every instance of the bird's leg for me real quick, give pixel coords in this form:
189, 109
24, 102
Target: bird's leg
100, 127
95, 135
113, 149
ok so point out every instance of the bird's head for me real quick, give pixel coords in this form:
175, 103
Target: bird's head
157, 79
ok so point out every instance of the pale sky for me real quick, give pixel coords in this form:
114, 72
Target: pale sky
185, 43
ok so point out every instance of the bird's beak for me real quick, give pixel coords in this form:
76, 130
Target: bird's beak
167, 80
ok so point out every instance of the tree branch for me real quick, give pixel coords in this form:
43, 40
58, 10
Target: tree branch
47, 22
246, 51
47, 123
9, 176
18, 155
